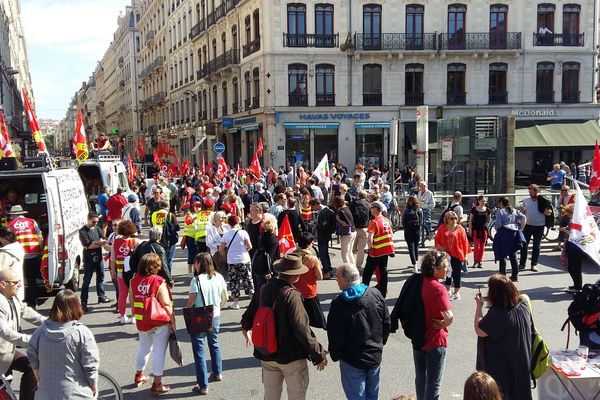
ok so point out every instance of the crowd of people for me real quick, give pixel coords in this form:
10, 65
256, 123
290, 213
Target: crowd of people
229, 226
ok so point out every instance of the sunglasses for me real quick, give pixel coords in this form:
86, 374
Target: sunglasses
451, 218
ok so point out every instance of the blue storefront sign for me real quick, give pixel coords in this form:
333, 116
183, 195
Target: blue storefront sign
335, 116
372, 125
227, 122
308, 125
244, 121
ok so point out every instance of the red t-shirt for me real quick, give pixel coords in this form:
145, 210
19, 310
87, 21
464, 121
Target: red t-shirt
115, 204
435, 301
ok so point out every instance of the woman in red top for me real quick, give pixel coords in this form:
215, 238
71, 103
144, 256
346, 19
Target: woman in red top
122, 247
307, 284
452, 238
153, 335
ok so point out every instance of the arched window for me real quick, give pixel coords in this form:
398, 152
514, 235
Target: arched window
256, 90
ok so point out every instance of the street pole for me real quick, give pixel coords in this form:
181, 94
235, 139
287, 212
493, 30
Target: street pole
394, 128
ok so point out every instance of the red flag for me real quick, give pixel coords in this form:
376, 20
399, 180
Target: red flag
238, 170
209, 169
595, 174
157, 161
255, 166
221, 168
185, 167
286, 240
203, 165
172, 151
35, 129
5, 146
79, 140
259, 148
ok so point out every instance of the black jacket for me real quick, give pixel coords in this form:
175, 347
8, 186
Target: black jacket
358, 329
147, 247
295, 339
325, 224
297, 224
361, 212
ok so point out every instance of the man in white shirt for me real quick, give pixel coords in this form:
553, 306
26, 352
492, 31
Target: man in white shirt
427, 201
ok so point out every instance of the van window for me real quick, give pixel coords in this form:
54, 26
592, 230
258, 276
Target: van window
122, 180
31, 198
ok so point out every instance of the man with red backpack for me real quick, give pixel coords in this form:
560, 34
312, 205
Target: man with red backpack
284, 340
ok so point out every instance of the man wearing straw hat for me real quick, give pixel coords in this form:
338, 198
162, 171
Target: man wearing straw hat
295, 340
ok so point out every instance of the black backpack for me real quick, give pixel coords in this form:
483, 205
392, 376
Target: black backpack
262, 264
584, 310
410, 311
170, 235
360, 213
448, 208
413, 219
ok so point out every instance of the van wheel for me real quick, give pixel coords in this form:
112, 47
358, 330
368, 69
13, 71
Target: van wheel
73, 284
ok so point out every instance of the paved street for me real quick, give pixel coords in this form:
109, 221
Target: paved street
242, 376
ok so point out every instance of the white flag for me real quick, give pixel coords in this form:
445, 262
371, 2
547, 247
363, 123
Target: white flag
322, 172
584, 229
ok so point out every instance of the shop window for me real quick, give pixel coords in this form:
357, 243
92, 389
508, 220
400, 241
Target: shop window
298, 92
369, 146
544, 83
456, 94
497, 83
372, 85
570, 82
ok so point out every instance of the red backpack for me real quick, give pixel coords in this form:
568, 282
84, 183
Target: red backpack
264, 334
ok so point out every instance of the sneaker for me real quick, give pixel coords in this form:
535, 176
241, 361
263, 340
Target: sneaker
455, 296
215, 378
124, 319
234, 306
200, 391
85, 308
534, 267
451, 295
104, 300
514, 279
521, 266
131, 319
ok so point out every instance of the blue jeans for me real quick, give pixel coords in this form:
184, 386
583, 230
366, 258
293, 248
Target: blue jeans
200, 354
88, 271
170, 253
429, 370
359, 384
323, 247
427, 222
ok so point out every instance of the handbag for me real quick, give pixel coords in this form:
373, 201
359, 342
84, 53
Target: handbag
199, 319
224, 252
539, 349
175, 350
154, 311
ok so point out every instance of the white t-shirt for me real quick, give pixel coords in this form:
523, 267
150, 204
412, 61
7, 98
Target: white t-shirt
236, 253
212, 290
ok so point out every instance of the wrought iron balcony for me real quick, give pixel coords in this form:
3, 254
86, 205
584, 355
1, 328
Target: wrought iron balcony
235, 107
395, 41
570, 97
255, 102
479, 41
559, 39
545, 96
149, 36
413, 98
230, 57
456, 98
197, 29
158, 61
498, 97
310, 40
221, 11
326, 99
371, 99
298, 100
251, 47
247, 104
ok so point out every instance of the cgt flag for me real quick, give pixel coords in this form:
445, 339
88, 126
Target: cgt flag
35, 129
254, 167
322, 171
79, 140
5, 146
221, 168
595, 173
286, 240
584, 229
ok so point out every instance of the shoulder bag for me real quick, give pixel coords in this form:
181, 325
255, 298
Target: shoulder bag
154, 311
224, 252
199, 319
539, 348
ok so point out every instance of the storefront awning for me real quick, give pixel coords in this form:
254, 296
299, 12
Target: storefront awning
558, 135
233, 130
372, 125
311, 125
252, 127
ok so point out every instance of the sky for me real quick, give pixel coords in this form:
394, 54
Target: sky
65, 40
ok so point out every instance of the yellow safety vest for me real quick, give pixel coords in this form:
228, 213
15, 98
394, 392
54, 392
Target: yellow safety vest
159, 217
201, 222
189, 229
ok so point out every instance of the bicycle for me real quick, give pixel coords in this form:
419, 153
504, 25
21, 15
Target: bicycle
107, 388
394, 216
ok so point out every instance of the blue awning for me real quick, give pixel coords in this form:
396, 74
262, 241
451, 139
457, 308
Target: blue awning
311, 125
372, 125
252, 127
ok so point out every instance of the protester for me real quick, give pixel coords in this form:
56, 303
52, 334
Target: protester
326, 225
121, 250
214, 234
153, 204
11, 256
295, 340
268, 245
12, 313
479, 216
93, 241
556, 177
504, 338
358, 327
153, 335
481, 386
427, 201
412, 222
153, 246
574, 254
297, 224
359, 208
189, 234
307, 284
237, 245
381, 247
536, 208
430, 359
131, 212
115, 204
508, 238
63, 353
253, 227
452, 239
213, 293
344, 229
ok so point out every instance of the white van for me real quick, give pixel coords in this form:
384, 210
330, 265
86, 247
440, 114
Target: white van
102, 170
54, 198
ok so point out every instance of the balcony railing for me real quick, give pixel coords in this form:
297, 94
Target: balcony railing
395, 41
230, 57
255, 102
326, 99
310, 40
570, 97
251, 47
413, 98
247, 104
197, 29
298, 100
558, 39
222, 10
545, 96
371, 99
498, 97
480, 41
456, 98
149, 36
158, 61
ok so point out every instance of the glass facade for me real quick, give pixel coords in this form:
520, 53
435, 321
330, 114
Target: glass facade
308, 146
369, 146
